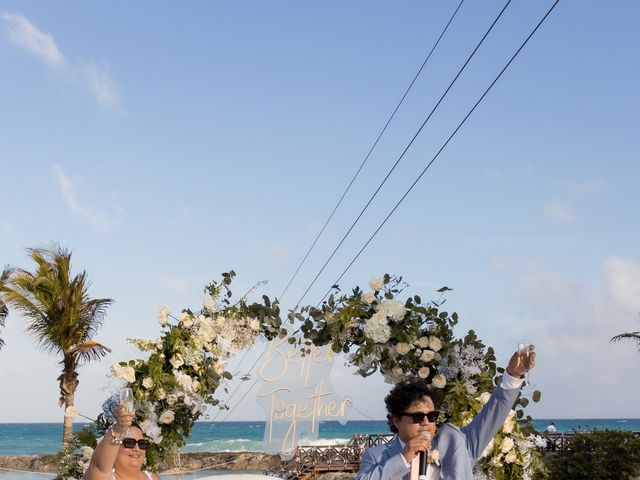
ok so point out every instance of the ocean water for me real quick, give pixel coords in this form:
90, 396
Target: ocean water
45, 438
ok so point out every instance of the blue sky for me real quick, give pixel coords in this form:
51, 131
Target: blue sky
165, 144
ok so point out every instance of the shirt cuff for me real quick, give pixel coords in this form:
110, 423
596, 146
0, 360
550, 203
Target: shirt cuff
510, 383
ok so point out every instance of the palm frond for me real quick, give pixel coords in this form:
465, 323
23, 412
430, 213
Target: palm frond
627, 336
91, 350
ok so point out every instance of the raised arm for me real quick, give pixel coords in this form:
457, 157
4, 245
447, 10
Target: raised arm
486, 424
104, 456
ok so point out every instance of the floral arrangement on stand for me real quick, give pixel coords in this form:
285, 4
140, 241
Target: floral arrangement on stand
404, 339
176, 383
184, 367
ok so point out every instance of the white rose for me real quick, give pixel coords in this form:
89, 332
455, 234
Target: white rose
195, 385
393, 309
376, 284
254, 324
163, 316
176, 361
507, 427
397, 371
377, 328
186, 320
172, 398
439, 381
147, 383
511, 457
87, 452
488, 449
116, 370
129, 374
435, 343
210, 304
71, 412
506, 445
423, 372
484, 398
218, 367
427, 356
160, 394
368, 297
403, 348
423, 342
166, 417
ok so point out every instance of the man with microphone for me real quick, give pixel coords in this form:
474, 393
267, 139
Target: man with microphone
411, 413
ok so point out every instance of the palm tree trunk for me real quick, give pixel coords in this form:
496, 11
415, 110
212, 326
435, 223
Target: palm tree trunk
67, 430
68, 385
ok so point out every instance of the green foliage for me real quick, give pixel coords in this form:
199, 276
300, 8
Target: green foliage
75, 455
605, 455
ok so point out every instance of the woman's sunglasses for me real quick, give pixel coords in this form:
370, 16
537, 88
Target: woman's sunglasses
131, 442
418, 417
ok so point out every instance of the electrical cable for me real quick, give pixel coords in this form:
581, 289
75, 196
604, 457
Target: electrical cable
366, 158
403, 153
443, 146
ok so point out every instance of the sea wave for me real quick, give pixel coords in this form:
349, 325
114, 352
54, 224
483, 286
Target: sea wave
321, 442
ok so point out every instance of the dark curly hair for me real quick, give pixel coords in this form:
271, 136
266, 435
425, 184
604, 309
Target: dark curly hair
404, 394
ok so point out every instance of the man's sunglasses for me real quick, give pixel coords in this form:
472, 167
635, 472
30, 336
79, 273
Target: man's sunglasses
418, 417
131, 442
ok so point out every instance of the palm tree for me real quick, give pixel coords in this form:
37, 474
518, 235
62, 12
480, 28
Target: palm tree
627, 336
3, 314
60, 315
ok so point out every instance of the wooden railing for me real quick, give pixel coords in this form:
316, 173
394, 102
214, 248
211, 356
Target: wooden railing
310, 461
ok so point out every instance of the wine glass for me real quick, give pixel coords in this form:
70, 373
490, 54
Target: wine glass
525, 350
126, 399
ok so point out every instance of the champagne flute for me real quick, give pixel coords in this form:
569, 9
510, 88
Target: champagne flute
526, 356
126, 399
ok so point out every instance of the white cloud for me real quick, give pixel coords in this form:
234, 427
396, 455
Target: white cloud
177, 285
572, 321
559, 212
623, 282
97, 219
281, 253
90, 76
589, 188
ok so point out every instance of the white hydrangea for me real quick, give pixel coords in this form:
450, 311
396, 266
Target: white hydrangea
377, 328
392, 309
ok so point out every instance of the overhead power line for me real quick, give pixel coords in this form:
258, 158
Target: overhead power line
366, 158
384, 180
443, 146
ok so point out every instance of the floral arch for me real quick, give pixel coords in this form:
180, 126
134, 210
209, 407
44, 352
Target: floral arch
400, 339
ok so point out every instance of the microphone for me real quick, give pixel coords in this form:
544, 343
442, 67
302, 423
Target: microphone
422, 472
